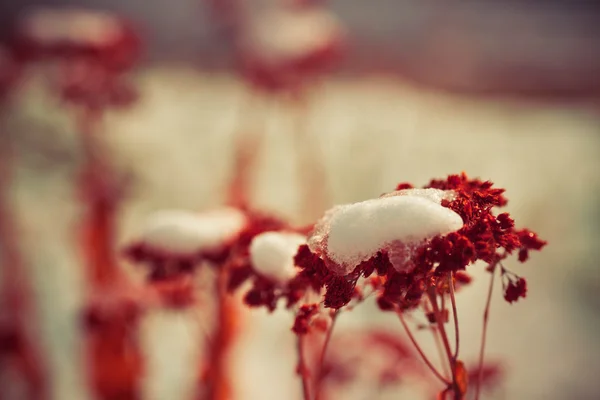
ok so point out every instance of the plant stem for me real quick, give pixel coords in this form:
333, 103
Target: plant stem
328, 335
441, 329
302, 368
218, 383
454, 314
100, 203
18, 310
484, 331
451, 358
420, 350
440, 350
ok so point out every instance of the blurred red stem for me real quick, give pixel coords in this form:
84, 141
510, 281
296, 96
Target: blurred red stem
17, 307
100, 203
217, 379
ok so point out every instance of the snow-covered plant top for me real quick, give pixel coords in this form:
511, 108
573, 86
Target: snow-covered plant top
107, 41
185, 233
71, 26
272, 254
353, 233
282, 35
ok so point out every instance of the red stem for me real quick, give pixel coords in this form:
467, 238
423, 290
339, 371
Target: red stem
115, 360
420, 350
484, 331
454, 314
302, 368
451, 358
324, 353
100, 200
219, 387
17, 294
440, 350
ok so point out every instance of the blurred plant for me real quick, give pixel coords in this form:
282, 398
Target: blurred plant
282, 50
409, 248
89, 53
19, 349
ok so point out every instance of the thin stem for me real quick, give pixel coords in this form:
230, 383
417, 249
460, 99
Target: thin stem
440, 350
442, 330
484, 331
419, 350
302, 369
328, 335
454, 314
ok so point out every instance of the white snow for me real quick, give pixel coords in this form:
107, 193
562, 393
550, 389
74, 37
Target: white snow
272, 254
183, 232
435, 195
280, 35
399, 221
71, 25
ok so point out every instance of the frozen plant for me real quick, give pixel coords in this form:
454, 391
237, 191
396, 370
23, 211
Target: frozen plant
173, 246
410, 248
20, 352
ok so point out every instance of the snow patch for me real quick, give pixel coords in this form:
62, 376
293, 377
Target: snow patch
71, 25
184, 232
279, 35
397, 222
272, 254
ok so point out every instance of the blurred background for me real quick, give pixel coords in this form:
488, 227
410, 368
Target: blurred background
504, 90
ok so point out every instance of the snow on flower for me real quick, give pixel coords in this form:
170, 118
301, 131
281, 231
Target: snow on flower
185, 233
353, 233
272, 254
299, 33
71, 25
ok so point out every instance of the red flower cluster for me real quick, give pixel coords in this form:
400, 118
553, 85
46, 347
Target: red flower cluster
70, 34
171, 275
484, 236
273, 66
94, 49
303, 317
514, 288
264, 291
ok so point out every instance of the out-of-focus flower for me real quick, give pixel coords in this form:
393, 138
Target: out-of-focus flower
282, 48
45, 33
